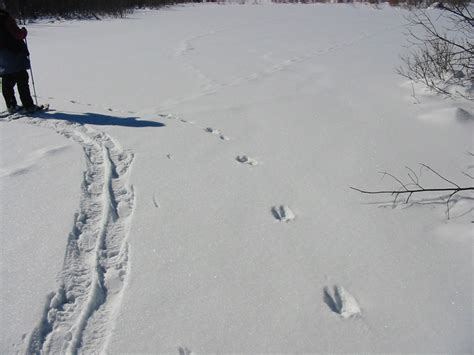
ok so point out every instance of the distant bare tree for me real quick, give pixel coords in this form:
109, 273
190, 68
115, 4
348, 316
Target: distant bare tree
442, 49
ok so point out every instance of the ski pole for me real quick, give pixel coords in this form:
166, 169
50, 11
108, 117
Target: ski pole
32, 77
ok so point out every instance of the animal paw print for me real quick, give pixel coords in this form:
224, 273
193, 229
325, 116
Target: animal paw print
342, 302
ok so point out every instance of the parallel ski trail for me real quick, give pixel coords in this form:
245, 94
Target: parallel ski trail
79, 316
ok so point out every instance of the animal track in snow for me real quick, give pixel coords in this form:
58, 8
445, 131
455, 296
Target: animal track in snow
244, 159
217, 133
211, 87
79, 103
80, 315
210, 130
167, 116
342, 302
173, 117
184, 50
283, 213
185, 351
155, 201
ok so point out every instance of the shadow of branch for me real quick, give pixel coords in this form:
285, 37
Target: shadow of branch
426, 201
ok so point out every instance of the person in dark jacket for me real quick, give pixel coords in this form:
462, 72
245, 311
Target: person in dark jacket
14, 62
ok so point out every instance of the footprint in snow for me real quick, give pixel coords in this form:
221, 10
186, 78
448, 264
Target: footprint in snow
155, 201
212, 130
244, 159
283, 213
216, 132
342, 302
185, 351
167, 116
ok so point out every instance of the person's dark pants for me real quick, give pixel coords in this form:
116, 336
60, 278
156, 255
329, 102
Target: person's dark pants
20, 79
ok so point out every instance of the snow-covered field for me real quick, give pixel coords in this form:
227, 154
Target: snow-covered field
190, 192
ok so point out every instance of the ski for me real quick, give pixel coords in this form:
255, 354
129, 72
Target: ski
23, 112
39, 108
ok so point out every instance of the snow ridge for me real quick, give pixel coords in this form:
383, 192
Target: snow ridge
79, 316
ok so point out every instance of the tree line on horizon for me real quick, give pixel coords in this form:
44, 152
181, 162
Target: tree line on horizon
31, 9
407, 3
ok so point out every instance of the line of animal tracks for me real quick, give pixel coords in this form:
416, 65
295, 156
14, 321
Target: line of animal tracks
79, 315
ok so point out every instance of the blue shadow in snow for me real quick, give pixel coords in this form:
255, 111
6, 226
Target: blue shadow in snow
101, 120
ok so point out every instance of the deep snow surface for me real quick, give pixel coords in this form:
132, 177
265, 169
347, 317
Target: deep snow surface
214, 215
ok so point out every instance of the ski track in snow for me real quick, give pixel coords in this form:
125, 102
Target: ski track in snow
79, 316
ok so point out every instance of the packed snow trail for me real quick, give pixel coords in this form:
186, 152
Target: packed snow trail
79, 316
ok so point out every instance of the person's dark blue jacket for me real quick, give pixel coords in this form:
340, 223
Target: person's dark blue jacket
14, 55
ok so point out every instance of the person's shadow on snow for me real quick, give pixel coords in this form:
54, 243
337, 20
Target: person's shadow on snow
102, 120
